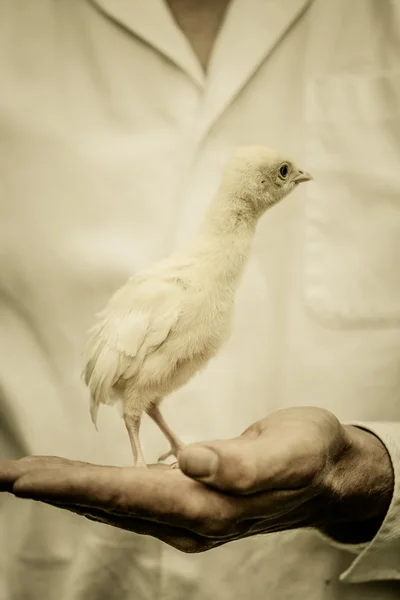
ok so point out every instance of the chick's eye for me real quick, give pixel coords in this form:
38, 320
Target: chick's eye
283, 171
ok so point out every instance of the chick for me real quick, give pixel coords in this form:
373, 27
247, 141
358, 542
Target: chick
168, 321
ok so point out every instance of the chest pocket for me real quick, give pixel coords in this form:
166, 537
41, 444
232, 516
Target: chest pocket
352, 236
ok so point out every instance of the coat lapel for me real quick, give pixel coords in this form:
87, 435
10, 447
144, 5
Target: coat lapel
251, 31
152, 21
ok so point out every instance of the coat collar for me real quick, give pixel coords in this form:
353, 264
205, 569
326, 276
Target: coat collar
152, 22
251, 31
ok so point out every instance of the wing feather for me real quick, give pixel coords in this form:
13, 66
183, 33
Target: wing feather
137, 320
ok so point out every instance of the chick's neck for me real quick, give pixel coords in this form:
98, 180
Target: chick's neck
225, 238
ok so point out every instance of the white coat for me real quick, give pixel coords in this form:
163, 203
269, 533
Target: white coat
111, 145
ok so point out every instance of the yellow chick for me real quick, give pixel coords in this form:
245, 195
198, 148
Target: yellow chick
168, 321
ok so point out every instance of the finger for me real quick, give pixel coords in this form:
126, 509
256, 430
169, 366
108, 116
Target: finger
175, 536
236, 466
106, 487
11, 470
275, 508
160, 495
249, 464
181, 539
184, 540
47, 459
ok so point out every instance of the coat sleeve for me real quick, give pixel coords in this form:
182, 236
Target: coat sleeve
379, 559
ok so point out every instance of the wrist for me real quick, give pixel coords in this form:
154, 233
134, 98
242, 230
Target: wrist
359, 489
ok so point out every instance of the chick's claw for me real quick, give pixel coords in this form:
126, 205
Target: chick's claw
172, 452
166, 455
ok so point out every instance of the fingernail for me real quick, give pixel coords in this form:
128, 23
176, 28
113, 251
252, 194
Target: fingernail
198, 462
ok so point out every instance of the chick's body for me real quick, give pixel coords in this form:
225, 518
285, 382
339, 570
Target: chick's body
167, 322
165, 325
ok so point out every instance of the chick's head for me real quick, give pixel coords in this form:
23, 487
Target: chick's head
261, 176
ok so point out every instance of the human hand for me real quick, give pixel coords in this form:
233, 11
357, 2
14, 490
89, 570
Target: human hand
296, 468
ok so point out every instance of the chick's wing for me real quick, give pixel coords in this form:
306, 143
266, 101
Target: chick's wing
135, 322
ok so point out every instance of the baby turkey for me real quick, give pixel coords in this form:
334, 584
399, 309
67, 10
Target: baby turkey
166, 322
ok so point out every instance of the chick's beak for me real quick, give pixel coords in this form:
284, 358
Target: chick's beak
302, 176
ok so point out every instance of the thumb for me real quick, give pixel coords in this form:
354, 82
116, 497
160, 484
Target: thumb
237, 466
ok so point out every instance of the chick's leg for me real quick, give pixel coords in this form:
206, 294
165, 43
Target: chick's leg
132, 423
176, 444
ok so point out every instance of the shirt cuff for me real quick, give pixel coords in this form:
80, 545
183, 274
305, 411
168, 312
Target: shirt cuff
379, 559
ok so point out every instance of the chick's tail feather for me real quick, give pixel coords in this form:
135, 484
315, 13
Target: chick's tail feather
94, 411
100, 375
